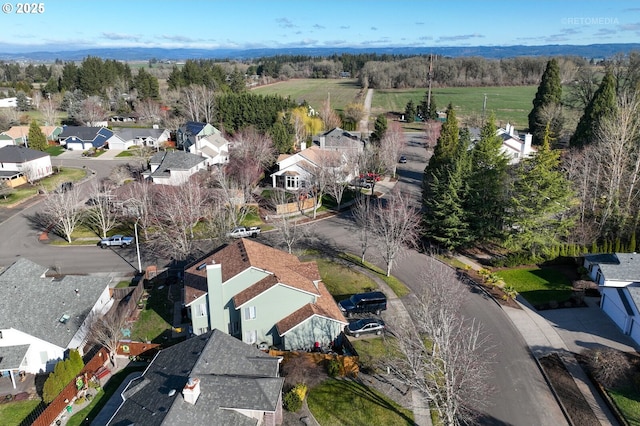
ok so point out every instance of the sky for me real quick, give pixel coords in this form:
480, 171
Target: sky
245, 24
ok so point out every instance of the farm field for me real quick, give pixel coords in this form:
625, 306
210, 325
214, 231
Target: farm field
316, 90
509, 103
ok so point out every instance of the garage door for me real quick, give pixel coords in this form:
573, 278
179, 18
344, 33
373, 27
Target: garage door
613, 308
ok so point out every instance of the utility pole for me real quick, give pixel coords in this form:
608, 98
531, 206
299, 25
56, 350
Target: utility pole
429, 80
484, 108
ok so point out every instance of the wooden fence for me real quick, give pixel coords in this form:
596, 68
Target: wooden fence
295, 207
59, 404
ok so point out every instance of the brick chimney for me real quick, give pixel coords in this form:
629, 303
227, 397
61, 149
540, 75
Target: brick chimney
191, 390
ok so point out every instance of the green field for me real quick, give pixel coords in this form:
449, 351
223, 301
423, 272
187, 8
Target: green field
509, 103
315, 91
538, 285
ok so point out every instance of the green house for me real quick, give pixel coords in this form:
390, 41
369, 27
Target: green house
262, 296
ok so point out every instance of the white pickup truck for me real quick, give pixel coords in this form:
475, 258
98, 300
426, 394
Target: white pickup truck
116, 240
244, 232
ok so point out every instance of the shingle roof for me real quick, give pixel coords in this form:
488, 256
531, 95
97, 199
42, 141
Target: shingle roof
216, 139
84, 133
11, 356
34, 304
194, 127
624, 267
21, 131
339, 138
232, 374
284, 267
19, 154
130, 133
174, 160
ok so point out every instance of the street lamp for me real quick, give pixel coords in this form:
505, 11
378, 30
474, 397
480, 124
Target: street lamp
135, 230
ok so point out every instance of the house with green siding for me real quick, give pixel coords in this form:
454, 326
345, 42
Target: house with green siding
262, 296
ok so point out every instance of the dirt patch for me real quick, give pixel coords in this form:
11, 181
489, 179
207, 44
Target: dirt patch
576, 407
495, 292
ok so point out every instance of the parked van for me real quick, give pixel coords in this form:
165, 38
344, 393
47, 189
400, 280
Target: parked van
373, 302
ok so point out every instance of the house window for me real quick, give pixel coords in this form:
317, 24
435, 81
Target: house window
203, 330
250, 312
202, 310
291, 182
599, 277
0, 334
251, 337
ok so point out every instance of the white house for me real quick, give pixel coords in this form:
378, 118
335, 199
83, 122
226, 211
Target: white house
174, 167
43, 317
18, 161
296, 171
83, 138
213, 147
11, 102
516, 147
618, 279
191, 132
128, 137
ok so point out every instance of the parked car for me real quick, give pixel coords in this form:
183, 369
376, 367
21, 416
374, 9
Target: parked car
365, 326
372, 302
361, 183
403, 159
116, 241
370, 177
64, 187
243, 232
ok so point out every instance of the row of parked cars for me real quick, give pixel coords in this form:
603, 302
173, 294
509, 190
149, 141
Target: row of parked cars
373, 302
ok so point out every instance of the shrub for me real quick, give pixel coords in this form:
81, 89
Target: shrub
80, 400
301, 390
333, 368
510, 292
292, 401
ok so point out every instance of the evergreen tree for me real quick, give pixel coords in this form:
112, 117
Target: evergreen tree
37, 139
539, 201
549, 93
410, 112
146, 85
426, 111
22, 103
379, 130
486, 198
603, 104
447, 143
282, 138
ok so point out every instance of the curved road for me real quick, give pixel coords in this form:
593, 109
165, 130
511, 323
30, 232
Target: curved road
522, 397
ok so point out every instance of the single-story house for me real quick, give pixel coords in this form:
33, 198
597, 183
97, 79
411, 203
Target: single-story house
11, 102
214, 147
296, 171
19, 165
618, 279
43, 317
20, 134
191, 132
174, 167
261, 295
6, 140
514, 146
128, 137
82, 138
210, 379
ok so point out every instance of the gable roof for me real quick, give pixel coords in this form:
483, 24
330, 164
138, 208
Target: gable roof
173, 160
215, 139
130, 133
193, 127
232, 374
12, 356
97, 136
619, 266
19, 154
34, 304
338, 138
285, 269
20, 131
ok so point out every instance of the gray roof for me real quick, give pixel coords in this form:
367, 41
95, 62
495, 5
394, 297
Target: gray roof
232, 374
19, 154
619, 267
11, 356
339, 138
130, 133
174, 160
34, 304
634, 292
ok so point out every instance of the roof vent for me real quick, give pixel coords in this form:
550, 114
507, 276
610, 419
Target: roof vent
172, 392
64, 318
201, 267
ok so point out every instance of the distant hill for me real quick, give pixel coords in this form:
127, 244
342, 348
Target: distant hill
597, 51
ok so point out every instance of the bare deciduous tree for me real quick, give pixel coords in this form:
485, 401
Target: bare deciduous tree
64, 211
391, 145
446, 357
230, 197
92, 111
149, 111
289, 230
100, 214
329, 117
364, 222
107, 330
250, 154
49, 110
396, 226
198, 103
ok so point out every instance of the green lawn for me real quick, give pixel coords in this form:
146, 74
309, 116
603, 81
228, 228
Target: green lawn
538, 285
315, 91
346, 402
629, 405
509, 103
125, 154
55, 150
396, 285
154, 323
13, 413
343, 281
49, 183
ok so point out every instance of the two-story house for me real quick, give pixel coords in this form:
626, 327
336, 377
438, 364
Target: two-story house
191, 132
262, 296
174, 167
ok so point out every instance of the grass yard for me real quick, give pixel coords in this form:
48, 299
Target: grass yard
629, 405
155, 319
509, 103
315, 91
346, 402
396, 285
343, 281
538, 285
49, 183
55, 150
13, 413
